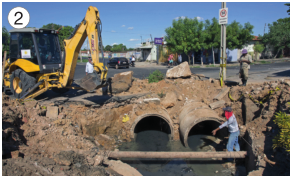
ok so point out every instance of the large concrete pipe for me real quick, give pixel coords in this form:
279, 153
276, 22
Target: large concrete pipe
192, 114
159, 114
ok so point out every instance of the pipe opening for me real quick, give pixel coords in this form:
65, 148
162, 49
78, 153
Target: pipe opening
201, 135
152, 123
152, 134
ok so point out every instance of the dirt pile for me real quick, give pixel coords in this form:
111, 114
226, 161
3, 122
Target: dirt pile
68, 144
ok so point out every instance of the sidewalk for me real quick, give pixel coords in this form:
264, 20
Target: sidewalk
260, 61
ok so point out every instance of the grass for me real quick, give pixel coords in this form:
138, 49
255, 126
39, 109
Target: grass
265, 62
212, 65
194, 66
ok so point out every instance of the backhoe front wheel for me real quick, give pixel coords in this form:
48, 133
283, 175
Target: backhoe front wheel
20, 83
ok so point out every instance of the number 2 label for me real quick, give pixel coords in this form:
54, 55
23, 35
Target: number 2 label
18, 17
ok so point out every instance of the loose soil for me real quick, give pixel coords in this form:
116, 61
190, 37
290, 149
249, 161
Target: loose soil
69, 144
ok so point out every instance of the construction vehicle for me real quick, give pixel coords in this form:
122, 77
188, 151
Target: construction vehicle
36, 65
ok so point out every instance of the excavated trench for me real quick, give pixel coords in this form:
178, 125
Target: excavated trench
155, 132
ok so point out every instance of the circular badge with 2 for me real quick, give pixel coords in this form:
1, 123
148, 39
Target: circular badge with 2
18, 17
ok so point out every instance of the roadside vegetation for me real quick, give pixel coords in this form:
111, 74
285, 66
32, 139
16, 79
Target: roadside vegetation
155, 77
283, 138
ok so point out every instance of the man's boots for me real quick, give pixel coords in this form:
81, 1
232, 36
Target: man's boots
244, 82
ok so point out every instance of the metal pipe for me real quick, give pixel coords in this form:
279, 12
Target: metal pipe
138, 154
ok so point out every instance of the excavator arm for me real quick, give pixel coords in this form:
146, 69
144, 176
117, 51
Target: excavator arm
89, 27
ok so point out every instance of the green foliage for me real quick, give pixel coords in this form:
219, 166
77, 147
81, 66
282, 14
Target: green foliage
155, 76
283, 138
237, 36
161, 95
288, 4
5, 34
212, 34
279, 34
108, 48
52, 26
185, 35
64, 33
118, 48
258, 47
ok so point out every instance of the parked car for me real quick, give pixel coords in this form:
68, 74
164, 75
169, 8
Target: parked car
118, 62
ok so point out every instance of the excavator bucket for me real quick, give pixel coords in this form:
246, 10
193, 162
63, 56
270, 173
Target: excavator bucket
90, 82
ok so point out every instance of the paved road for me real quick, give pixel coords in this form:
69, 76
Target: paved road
260, 70
257, 73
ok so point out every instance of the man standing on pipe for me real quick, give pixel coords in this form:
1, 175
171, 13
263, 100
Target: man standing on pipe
232, 128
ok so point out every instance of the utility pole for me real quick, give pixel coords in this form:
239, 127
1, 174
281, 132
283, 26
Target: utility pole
223, 47
264, 28
141, 40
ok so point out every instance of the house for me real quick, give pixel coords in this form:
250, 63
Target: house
149, 51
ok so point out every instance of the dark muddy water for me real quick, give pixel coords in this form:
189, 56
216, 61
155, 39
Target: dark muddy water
151, 140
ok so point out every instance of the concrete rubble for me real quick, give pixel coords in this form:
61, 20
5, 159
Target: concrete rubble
72, 138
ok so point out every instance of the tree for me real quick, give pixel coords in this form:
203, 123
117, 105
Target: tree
108, 48
237, 36
258, 48
186, 35
52, 26
278, 35
118, 48
288, 4
64, 33
6, 35
131, 49
212, 34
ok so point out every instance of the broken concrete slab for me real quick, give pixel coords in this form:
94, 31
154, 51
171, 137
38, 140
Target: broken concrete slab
122, 168
217, 104
182, 70
121, 82
222, 93
249, 110
52, 112
169, 100
120, 99
152, 100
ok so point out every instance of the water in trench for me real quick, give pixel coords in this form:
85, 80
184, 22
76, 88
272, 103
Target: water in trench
153, 135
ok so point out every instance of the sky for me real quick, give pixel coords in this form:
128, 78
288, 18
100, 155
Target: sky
128, 22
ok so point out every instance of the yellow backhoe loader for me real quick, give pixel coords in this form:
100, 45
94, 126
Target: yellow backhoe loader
36, 65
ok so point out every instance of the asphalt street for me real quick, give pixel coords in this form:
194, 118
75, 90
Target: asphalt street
257, 72
212, 72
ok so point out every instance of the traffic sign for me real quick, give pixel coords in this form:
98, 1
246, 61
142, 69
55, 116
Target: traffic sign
223, 16
158, 41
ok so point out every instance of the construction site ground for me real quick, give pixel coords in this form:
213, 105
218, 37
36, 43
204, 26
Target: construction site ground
71, 134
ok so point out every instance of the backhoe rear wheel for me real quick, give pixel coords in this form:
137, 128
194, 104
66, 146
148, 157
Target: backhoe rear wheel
20, 83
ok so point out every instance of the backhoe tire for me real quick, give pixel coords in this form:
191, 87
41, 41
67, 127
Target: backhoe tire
117, 67
60, 90
20, 83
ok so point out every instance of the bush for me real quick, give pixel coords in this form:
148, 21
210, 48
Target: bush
155, 76
283, 138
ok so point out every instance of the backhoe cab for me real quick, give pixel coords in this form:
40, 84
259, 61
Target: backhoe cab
36, 50
36, 64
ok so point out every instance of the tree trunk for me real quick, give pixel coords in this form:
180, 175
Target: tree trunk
189, 59
213, 56
194, 60
276, 54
